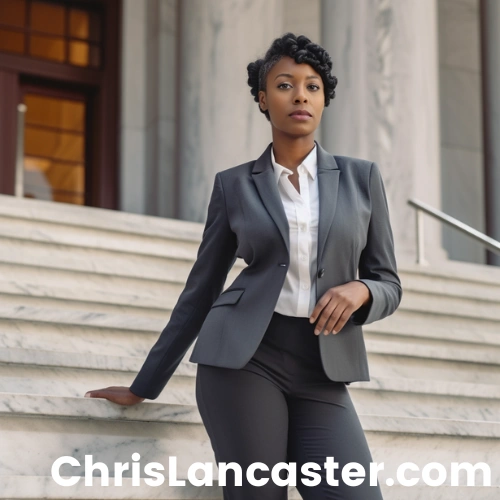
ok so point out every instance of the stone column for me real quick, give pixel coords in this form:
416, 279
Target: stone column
149, 87
386, 109
132, 126
220, 123
490, 49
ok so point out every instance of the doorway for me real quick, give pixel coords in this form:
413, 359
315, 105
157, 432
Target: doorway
55, 144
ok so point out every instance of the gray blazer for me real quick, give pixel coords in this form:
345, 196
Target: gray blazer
246, 219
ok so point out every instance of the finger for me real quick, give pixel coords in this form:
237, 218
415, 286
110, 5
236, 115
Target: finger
100, 393
316, 312
322, 321
330, 326
95, 394
320, 306
341, 321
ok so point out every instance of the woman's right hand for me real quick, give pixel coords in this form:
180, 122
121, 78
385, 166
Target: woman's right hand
116, 394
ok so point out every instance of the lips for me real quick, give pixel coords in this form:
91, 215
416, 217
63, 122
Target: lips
300, 112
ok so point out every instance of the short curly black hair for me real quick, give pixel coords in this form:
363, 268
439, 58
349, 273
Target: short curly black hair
302, 50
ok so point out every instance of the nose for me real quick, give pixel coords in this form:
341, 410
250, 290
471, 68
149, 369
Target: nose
300, 96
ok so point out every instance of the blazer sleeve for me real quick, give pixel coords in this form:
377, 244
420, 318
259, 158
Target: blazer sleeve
377, 263
216, 255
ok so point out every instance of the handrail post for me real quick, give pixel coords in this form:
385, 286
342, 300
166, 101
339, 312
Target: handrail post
19, 182
420, 237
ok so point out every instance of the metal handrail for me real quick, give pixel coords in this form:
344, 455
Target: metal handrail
489, 243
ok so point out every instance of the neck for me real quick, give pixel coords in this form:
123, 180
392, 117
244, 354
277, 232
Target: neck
290, 151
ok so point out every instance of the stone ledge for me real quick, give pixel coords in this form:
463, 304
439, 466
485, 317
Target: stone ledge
87, 361
393, 325
129, 364
30, 405
98, 218
480, 354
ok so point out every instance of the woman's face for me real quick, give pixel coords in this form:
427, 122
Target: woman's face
292, 87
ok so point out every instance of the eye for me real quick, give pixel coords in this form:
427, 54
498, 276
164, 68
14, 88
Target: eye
312, 85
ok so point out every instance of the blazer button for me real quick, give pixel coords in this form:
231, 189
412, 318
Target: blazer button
321, 273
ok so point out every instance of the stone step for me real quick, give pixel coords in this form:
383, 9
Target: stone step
461, 364
433, 329
430, 329
112, 224
115, 299
78, 331
39, 429
19, 294
180, 242
34, 487
49, 295
60, 374
411, 321
59, 257
94, 260
54, 373
464, 307
128, 335
89, 226
454, 287
38, 275
450, 271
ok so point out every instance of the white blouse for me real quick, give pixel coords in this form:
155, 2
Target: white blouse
298, 295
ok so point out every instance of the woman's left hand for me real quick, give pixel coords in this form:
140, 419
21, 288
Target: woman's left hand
336, 306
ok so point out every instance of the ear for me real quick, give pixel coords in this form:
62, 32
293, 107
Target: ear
262, 100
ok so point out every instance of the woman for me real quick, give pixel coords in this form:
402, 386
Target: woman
270, 388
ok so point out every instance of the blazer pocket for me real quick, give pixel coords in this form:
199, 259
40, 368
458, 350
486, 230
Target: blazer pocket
229, 297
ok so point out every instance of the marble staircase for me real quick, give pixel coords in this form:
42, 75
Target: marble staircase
85, 292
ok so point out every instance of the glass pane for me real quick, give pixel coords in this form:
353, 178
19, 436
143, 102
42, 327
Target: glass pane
79, 53
84, 24
53, 144
54, 161
47, 48
47, 17
11, 42
52, 180
79, 23
13, 12
70, 178
63, 114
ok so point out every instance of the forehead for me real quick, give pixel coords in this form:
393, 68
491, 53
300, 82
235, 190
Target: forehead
288, 65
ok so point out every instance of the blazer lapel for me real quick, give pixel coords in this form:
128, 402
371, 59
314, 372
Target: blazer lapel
328, 183
263, 176
328, 187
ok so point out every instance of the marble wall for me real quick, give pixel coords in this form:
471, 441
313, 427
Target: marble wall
461, 125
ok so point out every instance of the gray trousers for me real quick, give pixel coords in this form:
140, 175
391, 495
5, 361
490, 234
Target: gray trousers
281, 407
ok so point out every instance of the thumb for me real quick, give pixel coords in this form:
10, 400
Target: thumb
92, 394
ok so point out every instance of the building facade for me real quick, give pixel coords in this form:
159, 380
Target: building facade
134, 105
